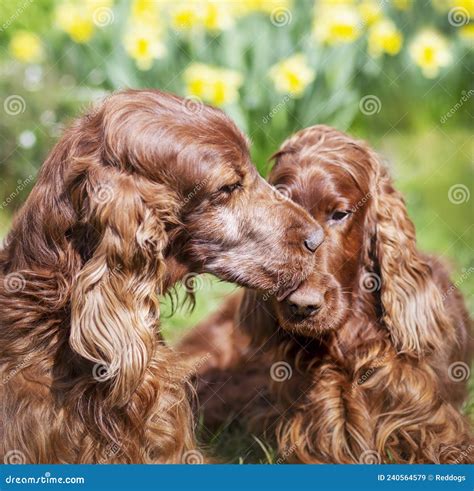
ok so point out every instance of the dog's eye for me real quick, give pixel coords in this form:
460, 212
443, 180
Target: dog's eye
230, 188
339, 215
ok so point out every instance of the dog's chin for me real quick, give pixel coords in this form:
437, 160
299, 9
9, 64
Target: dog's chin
327, 320
308, 327
275, 282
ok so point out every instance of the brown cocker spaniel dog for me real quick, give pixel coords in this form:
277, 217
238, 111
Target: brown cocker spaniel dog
367, 360
138, 193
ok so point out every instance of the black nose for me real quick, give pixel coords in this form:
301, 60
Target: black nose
303, 310
314, 239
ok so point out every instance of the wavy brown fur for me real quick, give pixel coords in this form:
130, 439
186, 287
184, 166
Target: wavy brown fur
137, 194
373, 372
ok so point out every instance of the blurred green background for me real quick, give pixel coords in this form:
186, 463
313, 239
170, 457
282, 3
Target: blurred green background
396, 73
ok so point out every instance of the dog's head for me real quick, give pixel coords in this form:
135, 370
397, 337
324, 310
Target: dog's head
368, 261
141, 190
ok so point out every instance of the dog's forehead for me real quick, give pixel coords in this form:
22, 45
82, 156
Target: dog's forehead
322, 177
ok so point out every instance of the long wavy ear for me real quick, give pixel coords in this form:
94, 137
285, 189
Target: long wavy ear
114, 307
412, 304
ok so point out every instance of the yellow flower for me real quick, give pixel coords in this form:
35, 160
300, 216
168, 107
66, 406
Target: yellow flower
76, 21
335, 24
213, 15
217, 16
467, 33
467, 5
145, 11
267, 6
384, 37
185, 15
370, 11
292, 76
216, 85
430, 51
26, 47
142, 42
77, 18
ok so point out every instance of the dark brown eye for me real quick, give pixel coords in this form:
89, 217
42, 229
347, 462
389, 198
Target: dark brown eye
230, 188
339, 215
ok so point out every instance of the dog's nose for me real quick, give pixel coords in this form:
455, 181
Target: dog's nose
303, 310
304, 305
314, 239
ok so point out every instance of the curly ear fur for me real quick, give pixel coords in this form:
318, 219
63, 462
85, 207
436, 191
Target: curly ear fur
114, 308
412, 304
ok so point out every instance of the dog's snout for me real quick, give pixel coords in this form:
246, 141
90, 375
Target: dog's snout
305, 305
303, 310
314, 239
